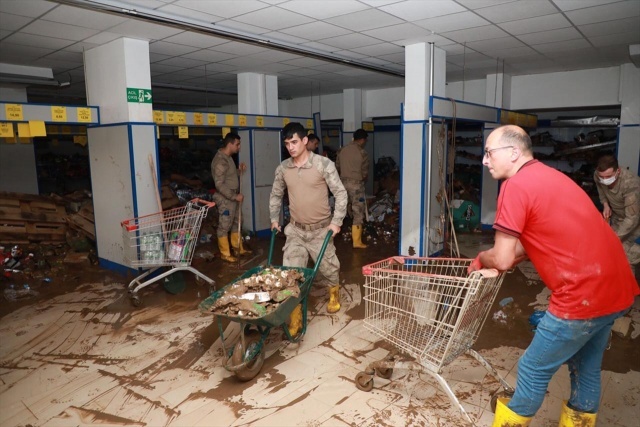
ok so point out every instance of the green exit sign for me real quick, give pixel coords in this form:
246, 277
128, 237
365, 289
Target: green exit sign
142, 96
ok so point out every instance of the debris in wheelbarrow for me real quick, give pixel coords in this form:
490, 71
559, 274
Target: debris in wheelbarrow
259, 294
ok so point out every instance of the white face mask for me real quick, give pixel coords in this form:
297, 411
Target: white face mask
608, 181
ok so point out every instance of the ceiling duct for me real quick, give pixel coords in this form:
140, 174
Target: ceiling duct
634, 54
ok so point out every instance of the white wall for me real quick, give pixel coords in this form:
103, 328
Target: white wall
330, 106
582, 88
383, 102
473, 91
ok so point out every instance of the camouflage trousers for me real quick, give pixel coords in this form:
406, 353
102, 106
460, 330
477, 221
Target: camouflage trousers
300, 244
631, 248
356, 206
227, 216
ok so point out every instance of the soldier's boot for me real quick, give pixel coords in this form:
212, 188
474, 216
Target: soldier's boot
356, 233
236, 244
225, 252
572, 418
505, 417
295, 320
334, 299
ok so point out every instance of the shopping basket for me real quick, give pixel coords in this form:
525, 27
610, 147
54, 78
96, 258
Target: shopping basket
246, 357
431, 310
163, 239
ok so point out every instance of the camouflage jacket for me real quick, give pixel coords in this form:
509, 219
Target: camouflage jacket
310, 201
352, 162
225, 175
624, 201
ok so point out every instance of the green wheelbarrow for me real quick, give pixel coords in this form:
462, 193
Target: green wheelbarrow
246, 357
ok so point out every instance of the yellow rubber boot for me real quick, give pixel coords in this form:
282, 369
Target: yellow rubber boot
505, 417
225, 252
356, 233
236, 243
572, 418
295, 320
334, 299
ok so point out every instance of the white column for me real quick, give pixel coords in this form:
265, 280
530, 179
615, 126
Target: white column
351, 113
17, 161
628, 144
257, 94
122, 178
420, 210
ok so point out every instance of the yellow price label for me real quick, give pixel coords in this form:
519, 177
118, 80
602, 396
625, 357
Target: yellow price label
285, 121
197, 119
368, 126
6, 130
309, 123
13, 111
80, 140
225, 131
58, 113
260, 121
228, 119
158, 117
183, 132
212, 119
176, 117
83, 114
242, 120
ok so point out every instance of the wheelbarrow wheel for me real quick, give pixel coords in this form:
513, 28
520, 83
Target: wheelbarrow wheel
252, 367
497, 395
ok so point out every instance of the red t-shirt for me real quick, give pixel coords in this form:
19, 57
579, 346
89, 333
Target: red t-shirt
576, 253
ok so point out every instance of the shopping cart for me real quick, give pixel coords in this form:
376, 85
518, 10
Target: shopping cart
163, 239
246, 357
430, 310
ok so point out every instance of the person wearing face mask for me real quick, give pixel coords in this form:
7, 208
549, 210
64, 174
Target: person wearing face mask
619, 193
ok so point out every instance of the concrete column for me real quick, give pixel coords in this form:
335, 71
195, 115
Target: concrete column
257, 94
351, 113
420, 221
123, 150
17, 161
628, 146
498, 95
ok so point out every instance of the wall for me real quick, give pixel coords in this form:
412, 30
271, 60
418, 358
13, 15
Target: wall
330, 106
473, 90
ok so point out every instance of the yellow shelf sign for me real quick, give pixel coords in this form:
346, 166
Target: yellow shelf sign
84, 114
58, 113
80, 140
23, 130
242, 120
197, 119
6, 130
368, 126
285, 121
37, 128
225, 131
228, 119
309, 123
13, 111
183, 132
212, 119
176, 118
260, 121
158, 117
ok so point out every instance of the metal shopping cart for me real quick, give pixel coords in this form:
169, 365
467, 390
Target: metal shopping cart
431, 310
163, 239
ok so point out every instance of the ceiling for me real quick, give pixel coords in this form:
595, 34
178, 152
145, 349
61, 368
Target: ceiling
314, 47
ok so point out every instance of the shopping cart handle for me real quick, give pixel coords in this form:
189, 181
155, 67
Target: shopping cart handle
201, 203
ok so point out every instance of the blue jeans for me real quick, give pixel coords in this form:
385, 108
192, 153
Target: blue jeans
580, 344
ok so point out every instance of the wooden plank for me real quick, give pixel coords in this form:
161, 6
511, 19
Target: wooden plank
37, 228
83, 225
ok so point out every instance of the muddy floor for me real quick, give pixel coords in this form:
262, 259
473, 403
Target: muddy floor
79, 353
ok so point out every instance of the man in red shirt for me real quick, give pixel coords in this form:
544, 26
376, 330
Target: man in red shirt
544, 215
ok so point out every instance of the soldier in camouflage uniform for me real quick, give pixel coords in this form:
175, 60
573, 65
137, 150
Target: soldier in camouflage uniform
353, 165
305, 176
619, 192
227, 196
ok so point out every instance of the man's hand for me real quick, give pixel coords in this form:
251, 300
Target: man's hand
242, 167
275, 225
606, 212
334, 228
475, 265
239, 197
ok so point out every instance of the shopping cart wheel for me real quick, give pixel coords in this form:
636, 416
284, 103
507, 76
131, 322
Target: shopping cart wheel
252, 367
497, 395
364, 381
384, 372
135, 300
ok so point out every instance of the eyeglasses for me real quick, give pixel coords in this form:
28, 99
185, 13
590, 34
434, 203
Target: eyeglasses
487, 153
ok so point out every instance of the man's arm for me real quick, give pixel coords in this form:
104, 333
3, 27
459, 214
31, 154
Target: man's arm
337, 188
506, 252
631, 210
275, 199
365, 165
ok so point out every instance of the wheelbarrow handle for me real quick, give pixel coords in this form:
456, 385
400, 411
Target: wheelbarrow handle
320, 255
